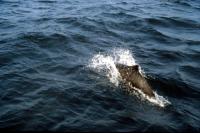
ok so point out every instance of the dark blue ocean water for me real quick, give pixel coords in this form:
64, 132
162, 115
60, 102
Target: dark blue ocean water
46, 46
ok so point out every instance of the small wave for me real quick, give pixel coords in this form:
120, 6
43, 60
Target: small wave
104, 63
173, 22
47, 1
42, 38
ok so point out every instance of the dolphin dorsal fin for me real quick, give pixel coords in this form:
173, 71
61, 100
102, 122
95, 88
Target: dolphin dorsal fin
122, 67
135, 68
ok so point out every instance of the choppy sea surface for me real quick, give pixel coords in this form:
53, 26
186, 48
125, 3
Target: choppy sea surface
58, 73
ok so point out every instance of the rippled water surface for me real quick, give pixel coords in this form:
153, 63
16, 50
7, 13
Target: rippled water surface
46, 47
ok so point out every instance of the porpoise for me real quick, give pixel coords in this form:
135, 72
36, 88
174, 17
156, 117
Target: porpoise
131, 77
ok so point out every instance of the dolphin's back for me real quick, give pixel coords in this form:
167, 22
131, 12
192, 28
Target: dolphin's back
132, 77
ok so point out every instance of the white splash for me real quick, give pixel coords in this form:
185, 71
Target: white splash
123, 56
104, 63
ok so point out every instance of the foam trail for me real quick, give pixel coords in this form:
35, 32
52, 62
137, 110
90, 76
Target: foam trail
158, 100
104, 63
